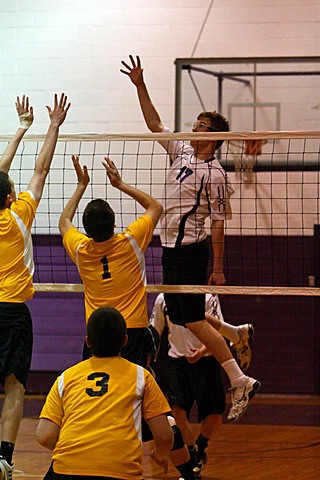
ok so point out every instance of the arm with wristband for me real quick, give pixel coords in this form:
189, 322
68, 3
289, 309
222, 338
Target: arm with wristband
26, 119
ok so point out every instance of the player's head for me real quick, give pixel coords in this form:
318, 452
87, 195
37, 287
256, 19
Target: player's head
211, 122
98, 220
7, 191
106, 332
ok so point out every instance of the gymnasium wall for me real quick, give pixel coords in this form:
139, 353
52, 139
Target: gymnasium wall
76, 46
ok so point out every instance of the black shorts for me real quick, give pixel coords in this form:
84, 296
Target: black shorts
51, 475
198, 382
185, 265
142, 343
16, 338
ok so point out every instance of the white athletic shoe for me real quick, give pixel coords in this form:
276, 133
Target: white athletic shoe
244, 346
241, 396
5, 469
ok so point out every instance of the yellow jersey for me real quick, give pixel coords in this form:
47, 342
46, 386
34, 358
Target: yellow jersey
113, 272
16, 255
98, 405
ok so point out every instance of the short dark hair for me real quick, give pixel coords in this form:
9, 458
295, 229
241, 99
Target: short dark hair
5, 188
98, 220
218, 123
106, 331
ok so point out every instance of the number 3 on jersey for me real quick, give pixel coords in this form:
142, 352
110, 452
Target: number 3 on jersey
106, 274
102, 380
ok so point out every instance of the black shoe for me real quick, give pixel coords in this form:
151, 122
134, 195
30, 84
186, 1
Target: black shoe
202, 460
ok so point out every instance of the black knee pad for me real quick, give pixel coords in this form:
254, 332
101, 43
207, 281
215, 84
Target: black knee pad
178, 442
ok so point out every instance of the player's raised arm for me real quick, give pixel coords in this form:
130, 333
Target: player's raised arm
65, 221
152, 206
57, 117
135, 73
26, 119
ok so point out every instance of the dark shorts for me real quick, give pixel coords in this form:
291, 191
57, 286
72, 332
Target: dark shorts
15, 341
51, 475
142, 343
198, 382
185, 265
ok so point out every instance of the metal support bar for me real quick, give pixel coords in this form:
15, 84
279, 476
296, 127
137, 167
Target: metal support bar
189, 64
215, 74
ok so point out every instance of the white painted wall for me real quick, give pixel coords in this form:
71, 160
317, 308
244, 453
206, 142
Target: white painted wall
76, 46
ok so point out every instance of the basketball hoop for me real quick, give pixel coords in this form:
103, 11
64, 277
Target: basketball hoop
245, 157
254, 147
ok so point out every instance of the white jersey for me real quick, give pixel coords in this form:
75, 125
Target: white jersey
181, 340
194, 190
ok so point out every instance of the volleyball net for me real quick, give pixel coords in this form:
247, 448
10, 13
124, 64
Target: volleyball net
271, 242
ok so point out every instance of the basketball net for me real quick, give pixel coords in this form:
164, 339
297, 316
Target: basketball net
245, 154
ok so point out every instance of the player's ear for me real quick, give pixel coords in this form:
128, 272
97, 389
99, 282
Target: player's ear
87, 342
125, 341
9, 200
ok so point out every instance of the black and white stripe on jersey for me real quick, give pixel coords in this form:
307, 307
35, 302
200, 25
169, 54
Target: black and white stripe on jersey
186, 215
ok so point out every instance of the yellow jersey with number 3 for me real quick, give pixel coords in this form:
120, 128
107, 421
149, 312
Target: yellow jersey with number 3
113, 272
98, 405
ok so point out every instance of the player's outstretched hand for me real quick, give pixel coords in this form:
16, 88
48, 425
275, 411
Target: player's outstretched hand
82, 173
112, 172
134, 71
24, 112
60, 109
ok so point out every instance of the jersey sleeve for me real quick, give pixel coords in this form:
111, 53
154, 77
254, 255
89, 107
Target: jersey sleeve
142, 231
154, 402
175, 148
53, 409
71, 240
25, 207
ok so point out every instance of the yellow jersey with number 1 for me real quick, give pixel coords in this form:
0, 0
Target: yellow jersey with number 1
113, 272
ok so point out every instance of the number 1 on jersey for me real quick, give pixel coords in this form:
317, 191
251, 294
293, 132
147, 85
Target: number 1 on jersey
186, 171
106, 273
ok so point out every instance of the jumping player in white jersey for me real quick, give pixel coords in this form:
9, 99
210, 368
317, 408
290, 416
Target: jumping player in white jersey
196, 188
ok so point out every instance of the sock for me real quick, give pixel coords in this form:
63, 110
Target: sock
193, 451
202, 443
230, 332
232, 369
7, 451
186, 470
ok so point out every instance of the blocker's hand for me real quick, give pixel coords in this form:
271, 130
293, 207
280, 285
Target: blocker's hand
82, 174
112, 172
24, 112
